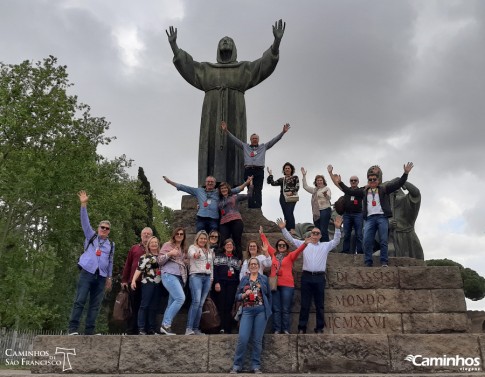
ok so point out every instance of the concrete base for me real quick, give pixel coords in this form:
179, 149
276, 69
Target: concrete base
287, 354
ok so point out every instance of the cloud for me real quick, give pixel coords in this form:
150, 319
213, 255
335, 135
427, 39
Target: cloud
361, 83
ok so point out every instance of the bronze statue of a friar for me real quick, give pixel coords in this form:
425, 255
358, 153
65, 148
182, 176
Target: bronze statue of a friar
224, 84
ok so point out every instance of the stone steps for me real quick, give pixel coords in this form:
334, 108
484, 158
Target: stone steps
282, 354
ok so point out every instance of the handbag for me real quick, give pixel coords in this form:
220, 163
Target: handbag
292, 199
122, 307
236, 311
210, 321
289, 199
273, 283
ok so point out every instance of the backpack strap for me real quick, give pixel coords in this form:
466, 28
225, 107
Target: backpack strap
91, 241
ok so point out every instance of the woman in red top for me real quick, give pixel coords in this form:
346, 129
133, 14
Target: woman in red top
282, 267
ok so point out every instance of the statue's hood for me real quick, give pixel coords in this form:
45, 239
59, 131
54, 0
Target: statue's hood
233, 58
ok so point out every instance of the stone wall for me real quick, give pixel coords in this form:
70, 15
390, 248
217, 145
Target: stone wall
281, 354
406, 297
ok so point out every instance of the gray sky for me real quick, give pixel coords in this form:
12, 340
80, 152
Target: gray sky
361, 83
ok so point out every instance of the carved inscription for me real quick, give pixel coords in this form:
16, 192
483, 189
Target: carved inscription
368, 276
360, 299
356, 322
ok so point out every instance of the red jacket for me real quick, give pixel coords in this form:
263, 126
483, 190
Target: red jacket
285, 273
131, 263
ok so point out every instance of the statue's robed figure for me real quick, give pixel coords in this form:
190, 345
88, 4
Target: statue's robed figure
224, 84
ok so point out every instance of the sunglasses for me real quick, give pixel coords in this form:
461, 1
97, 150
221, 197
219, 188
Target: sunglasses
354, 180
316, 233
104, 227
281, 245
213, 236
372, 180
179, 234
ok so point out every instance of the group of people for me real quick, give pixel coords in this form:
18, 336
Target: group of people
261, 277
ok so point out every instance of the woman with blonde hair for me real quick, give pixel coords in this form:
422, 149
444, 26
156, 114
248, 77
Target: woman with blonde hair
150, 280
201, 262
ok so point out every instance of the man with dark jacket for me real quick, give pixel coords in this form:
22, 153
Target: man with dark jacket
376, 210
131, 264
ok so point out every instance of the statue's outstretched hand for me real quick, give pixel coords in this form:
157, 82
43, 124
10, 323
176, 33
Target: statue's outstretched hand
223, 126
408, 167
279, 29
171, 34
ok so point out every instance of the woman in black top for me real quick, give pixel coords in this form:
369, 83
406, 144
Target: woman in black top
289, 186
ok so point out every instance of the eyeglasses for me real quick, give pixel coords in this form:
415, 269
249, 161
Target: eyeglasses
281, 245
180, 234
354, 180
104, 227
316, 233
372, 179
213, 236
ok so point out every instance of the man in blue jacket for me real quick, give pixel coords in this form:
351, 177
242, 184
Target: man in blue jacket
96, 268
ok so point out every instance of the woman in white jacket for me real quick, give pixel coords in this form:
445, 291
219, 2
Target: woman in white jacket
321, 206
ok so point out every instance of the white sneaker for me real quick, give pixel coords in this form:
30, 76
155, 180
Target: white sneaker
167, 330
198, 332
74, 333
189, 332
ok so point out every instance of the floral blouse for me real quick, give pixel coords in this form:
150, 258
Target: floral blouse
256, 298
287, 184
148, 265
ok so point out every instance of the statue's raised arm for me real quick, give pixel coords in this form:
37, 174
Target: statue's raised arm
172, 38
278, 31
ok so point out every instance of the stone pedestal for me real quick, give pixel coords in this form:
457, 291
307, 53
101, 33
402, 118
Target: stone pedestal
406, 318
406, 297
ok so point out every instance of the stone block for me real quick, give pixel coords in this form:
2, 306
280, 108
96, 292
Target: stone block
430, 277
88, 354
448, 300
435, 323
164, 354
421, 347
343, 354
363, 323
403, 301
353, 300
279, 353
362, 277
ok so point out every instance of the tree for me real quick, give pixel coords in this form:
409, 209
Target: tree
473, 283
48, 152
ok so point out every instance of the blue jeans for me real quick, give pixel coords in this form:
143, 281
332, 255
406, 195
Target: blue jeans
282, 303
325, 215
206, 223
251, 325
92, 285
199, 288
312, 286
176, 297
374, 224
353, 220
288, 209
150, 295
